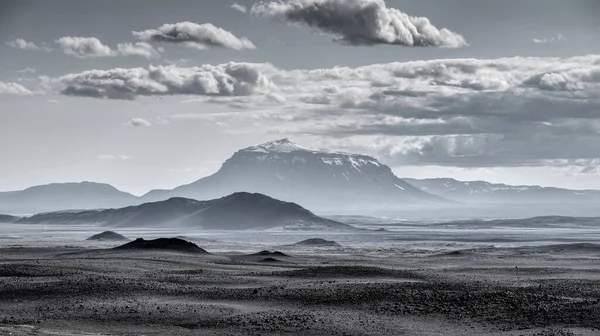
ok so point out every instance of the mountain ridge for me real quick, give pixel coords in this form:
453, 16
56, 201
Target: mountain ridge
487, 192
64, 196
238, 211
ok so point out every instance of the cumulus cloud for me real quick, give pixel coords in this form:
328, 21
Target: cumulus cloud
14, 89
457, 112
142, 49
239, 8
25, 45
86, 47
138, 122
193, 35
361, 22
230, 79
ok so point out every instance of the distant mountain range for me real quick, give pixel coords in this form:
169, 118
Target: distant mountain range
239, 211
62, 196
320, 180
486, 192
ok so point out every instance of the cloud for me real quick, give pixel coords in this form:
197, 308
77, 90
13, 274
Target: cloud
84, 47
27, 70
239, 8
25, 45
361, 22
91, 47
193, 35
161, 121
519, 111
12, 88
111, 157
142, 49
230, 79
559, 37
138, 122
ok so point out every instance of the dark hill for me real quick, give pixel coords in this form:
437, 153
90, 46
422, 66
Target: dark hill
239, 211
317, 242
165, 244
108, 236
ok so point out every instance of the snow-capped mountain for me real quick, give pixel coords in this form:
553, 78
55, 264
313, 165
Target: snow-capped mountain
486, 192
318, 179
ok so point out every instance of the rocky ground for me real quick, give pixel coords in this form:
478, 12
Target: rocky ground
527, 291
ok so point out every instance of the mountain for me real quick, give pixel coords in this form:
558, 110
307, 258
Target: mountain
318, 179
238, 211
8, 219
62, 196
486, 192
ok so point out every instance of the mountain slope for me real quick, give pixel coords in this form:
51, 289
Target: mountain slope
318, 179
486, 192
62, 196
8, 219
239, 211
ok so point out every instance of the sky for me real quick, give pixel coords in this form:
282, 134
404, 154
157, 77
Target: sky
154, 96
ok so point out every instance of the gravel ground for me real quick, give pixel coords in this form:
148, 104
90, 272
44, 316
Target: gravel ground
70, 291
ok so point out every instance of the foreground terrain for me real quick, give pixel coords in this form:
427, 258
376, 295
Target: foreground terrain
548, 290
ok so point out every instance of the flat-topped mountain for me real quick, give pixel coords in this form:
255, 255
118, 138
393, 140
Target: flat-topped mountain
486, 192
63, 196
238, 211
318, 179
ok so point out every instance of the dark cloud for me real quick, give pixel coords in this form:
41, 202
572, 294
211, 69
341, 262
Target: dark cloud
198, 36
361, 22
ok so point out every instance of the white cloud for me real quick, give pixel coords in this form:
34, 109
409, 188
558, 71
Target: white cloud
456, 112
84, 47
12, 88
239, 8
361, 22
91, 47
230, 79
138, 122
25, 45
193, 35
142, 49
161, 121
